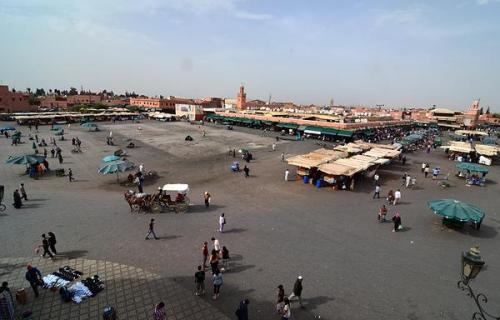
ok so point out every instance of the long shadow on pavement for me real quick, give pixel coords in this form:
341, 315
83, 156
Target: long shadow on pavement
199, 208
73, 254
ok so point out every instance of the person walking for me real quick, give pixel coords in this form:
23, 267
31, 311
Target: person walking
282, 157
403, 160
159, 312
408, 180
23, 192
397, 222
217, 282
222, 222
45, 152
246, 170
52, 153
377, 192
280, 302
423, 166
52, 242
151, 230
60, 158
216, 245
242, 311
427, 170
34, 277
403, 179
297, 291
18, 203
214, 261
287, 172
286, 313
204, 251
45, 247
273, 146
137, 181
382, 213
397, 197
376, 177
199, 280
207, 197
70, 175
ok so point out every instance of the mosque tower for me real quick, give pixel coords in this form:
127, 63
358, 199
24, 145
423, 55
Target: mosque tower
241, 99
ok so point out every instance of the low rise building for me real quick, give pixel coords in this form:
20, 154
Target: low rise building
11, 101
167, 105
53, 101
84, 99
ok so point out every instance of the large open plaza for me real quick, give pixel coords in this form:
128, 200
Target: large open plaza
353, 266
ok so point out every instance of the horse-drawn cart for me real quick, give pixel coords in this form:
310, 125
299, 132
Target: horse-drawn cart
161, 201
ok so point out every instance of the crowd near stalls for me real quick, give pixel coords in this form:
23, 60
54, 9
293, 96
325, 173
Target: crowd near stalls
341, 167
71, 117
473, 174
471, 152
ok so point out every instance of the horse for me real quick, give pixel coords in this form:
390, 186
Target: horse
134, 201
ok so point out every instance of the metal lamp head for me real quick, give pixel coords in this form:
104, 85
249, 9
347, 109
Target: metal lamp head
471, 264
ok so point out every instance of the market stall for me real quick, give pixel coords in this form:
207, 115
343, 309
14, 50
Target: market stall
474, 174
307, 164
337, 175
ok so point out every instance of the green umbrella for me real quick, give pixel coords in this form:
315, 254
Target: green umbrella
116, 167
472, 167
25, 159
456, 210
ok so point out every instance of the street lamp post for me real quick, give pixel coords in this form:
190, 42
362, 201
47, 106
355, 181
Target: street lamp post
471, 266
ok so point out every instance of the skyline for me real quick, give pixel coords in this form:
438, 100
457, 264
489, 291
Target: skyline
396, 53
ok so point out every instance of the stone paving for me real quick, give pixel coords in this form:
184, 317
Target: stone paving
131, 291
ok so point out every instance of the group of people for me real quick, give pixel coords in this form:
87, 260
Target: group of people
48, 245
19, 195
216, 255
396, 219
283, 307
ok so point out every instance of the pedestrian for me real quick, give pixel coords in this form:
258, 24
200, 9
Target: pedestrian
280, 302
408, 180
397, 222
286, 313
207, 197
216, 245
23, 192
60, 158
214, 261
151, 230
18, 203
435, 173
36, 138
52, 152
403, 179
297, 291
141, 168
397, 197
159, 312
34, 277
204, 251
242, 311
282, 157
222, 222
375, 179
287, 172
234, 153
225, 258
45, 247
6, 302
403, 160
29, 126
273, 146
52, 242
382, 213
377, 192
73, 141
36, 126
423, 166
70, 175
247, 171
45, 152
137, 181
199, 280
217, 281
427, 170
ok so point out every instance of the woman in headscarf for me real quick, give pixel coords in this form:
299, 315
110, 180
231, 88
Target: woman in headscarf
397, 222
17, 199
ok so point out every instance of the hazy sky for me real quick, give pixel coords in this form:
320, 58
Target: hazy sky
397, 53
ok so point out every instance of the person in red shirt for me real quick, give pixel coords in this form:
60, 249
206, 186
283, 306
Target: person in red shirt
204, 250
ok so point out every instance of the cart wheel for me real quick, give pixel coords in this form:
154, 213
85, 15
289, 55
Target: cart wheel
2, 207
156, 208
136, 207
